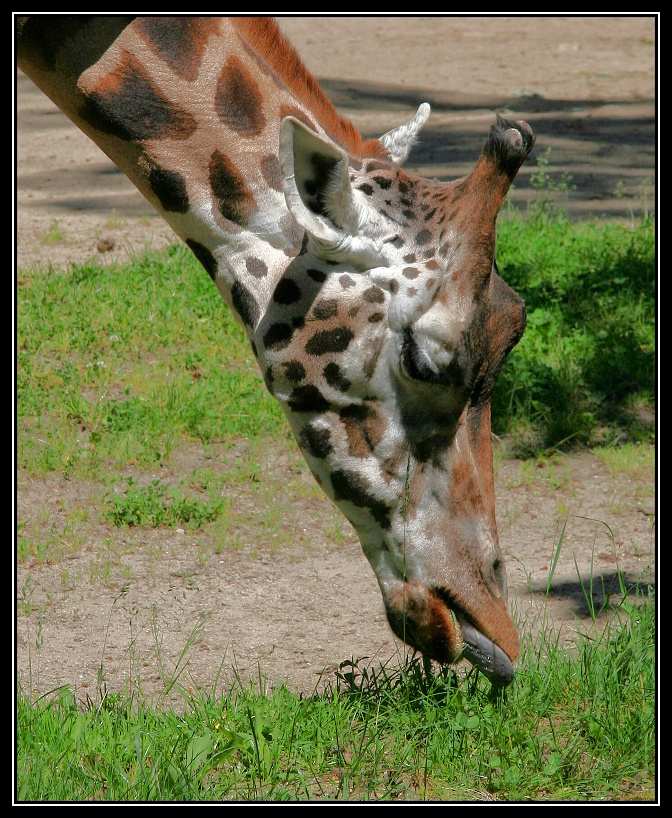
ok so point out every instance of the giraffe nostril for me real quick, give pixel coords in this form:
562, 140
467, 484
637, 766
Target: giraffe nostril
499, 577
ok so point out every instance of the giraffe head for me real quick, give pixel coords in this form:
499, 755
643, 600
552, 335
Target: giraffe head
382, 341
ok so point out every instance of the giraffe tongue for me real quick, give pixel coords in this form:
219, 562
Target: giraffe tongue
486, 656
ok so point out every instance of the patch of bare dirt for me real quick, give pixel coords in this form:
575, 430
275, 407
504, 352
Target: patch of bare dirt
295, 603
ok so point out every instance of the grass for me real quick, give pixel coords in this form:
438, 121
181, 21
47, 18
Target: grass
584, 371
576, 725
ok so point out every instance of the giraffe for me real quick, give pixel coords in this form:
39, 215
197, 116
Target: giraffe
371, 297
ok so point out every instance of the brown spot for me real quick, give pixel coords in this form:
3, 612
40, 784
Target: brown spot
364, 427
170, 189
369, 366
335, 378
329, 340
287, 292
293, 233
316, 441
294, 371
355, 488
127, 104
270, 170
410, 272
374, 295
245, 304
256, 267
325, 309
391, 466
308, 399
204, 256
233, 197
277, 58
381, 181
346, 281
238, 100
423, 237
278, 336
317, 275
179, 41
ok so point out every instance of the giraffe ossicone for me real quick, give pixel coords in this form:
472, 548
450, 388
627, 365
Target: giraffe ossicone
371, 297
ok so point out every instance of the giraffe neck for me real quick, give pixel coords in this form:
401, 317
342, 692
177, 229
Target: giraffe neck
191, 113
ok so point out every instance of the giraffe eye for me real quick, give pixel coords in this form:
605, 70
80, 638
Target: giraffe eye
417, 362
424, 359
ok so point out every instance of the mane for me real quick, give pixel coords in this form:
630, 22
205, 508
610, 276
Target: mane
263, 35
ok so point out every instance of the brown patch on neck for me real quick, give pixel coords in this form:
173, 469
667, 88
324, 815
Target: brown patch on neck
279, 58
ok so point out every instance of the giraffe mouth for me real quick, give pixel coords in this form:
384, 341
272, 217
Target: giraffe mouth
477, 648
482, 652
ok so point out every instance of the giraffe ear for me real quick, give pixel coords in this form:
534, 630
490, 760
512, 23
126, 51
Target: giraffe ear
316, 184
399, 141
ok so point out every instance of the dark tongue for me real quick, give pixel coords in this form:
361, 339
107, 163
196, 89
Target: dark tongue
486, 656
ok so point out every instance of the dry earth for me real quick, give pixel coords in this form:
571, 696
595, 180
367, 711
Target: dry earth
303, 599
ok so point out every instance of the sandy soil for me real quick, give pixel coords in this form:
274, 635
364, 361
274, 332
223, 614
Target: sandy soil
587, 87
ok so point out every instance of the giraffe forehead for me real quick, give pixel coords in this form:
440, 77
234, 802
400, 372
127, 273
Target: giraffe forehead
421, 206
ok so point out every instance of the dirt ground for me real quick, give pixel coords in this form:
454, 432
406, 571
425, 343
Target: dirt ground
587, 87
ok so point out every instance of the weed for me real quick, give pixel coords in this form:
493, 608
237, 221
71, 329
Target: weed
54, 235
